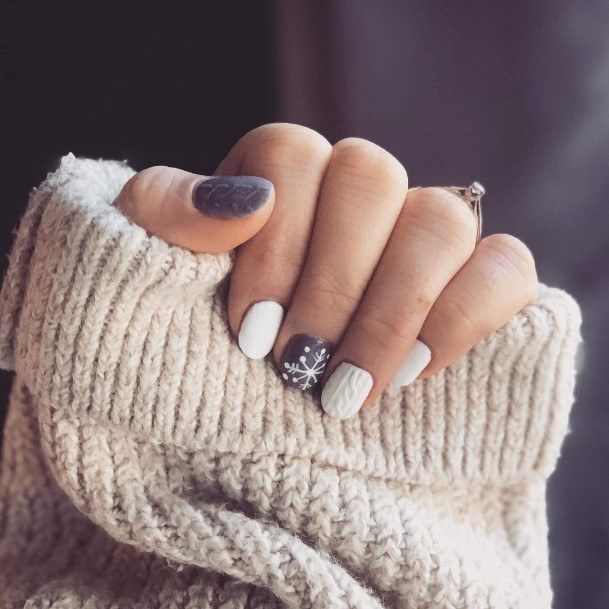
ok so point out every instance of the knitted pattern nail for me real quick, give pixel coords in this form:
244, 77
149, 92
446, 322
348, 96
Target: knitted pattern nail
231, 196
346, 390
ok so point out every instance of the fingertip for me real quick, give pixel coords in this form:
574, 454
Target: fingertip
205, 215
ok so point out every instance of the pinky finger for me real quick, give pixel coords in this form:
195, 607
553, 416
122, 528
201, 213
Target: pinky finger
494, 285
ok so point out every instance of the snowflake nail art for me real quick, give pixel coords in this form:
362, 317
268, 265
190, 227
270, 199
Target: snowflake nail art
304, 360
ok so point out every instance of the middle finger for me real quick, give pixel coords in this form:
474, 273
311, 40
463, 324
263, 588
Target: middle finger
362, 194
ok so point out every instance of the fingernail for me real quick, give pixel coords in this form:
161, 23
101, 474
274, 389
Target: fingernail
231, 196
415, 363
345, 391
259, 328
303, 361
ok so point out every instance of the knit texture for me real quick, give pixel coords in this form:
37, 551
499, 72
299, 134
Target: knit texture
148, 463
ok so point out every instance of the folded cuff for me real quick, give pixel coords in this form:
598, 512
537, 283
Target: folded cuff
165, 434
110, 325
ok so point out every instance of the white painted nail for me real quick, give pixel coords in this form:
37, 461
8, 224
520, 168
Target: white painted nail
415, 363
345, 391
259, 328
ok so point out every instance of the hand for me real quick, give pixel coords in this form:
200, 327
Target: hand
348, 277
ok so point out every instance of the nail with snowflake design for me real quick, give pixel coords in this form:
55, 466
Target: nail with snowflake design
303, 361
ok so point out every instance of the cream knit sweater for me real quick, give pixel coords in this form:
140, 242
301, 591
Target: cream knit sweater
148, 463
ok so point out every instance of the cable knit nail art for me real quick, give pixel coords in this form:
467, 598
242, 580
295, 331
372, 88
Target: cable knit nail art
304, 360
231, 196
346, 390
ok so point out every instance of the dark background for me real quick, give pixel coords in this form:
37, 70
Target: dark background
514, 94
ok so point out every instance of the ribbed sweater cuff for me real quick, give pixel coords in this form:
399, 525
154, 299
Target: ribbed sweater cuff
111, 327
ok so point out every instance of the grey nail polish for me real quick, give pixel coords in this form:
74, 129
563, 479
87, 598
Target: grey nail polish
303, 361
231, 196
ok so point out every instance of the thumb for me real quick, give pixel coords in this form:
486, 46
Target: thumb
199, 213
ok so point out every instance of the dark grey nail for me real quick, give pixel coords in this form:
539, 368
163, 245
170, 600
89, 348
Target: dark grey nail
303, 361
231, 196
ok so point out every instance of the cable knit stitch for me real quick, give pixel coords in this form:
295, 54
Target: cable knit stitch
148, 463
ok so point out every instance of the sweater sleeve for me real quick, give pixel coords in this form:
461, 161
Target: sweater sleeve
159, 429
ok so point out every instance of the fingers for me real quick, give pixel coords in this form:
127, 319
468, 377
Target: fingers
433, 238
495, 284
268, 266
196, 212
350, 279
360, 200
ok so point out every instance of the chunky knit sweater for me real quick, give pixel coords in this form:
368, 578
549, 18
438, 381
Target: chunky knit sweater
148, 463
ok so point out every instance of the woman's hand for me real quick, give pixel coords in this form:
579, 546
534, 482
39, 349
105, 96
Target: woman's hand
348, 277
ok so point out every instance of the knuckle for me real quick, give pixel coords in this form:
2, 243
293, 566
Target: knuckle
274, 259
363, 158
460, 312
286, 144
397, 326
511, 255
444, 216
328, 293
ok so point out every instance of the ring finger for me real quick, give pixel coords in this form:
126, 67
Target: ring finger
433, 238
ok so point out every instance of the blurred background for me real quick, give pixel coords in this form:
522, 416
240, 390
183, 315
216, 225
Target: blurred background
515, 95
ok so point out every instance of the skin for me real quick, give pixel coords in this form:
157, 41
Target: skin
348, 250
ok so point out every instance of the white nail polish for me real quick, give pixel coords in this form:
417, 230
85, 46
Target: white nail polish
415, 363
259, 328
345, 391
